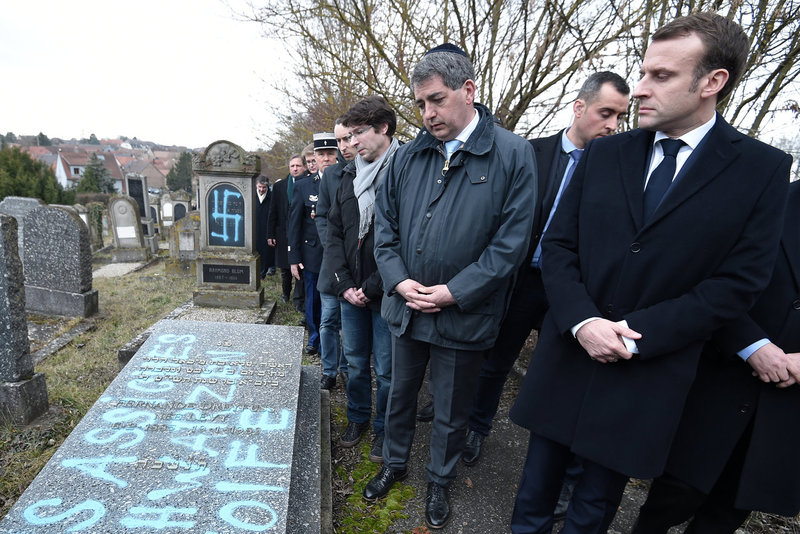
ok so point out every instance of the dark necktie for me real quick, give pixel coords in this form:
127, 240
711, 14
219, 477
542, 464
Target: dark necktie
662, 176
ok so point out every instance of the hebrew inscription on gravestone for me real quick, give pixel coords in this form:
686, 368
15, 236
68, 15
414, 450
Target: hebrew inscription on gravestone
196, 434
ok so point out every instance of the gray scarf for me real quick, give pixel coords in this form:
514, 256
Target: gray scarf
369, 177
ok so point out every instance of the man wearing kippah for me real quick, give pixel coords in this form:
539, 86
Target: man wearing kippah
452, 226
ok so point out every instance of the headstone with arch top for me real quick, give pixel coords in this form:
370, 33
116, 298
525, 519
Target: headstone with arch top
228, 265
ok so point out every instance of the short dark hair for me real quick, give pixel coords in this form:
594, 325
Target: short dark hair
726, 45
591, 87
263, 179
373, 111
453, 68
298, 156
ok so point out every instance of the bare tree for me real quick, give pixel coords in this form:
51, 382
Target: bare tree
529, 55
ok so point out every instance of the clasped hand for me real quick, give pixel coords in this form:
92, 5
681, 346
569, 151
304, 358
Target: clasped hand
425, 299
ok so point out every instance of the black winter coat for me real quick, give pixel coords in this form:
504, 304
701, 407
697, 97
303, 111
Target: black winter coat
350, 262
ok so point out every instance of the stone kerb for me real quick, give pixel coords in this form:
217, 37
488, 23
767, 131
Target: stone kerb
58, 268
196, 434
18, 207
127, 231
23, 394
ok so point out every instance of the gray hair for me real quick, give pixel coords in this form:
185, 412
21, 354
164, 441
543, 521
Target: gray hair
454, 69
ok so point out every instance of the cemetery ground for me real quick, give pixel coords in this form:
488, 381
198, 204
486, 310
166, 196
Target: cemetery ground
80, 371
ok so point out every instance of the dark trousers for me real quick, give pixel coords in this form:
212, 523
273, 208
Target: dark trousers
299, 297
671, 501
525, 312
594, 502
313, 307
453, 376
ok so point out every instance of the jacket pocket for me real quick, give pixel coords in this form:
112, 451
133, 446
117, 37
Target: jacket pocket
466, 327
392, 310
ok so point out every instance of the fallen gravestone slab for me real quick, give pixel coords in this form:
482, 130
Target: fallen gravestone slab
196, 434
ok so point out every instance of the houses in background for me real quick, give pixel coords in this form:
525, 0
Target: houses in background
69, 161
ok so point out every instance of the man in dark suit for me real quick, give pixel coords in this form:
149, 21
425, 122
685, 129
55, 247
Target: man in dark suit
664, 234
601, 101
736, 447
266, 252
277, 223
305, 248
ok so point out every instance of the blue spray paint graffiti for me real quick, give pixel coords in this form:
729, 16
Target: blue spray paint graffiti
97, 509
226, 217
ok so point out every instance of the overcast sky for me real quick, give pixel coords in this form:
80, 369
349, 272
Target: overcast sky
175, 72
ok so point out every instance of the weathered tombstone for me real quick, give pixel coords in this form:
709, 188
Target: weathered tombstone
136, 185
155, 213
95, 224
58, 265
197, 433
228, 265
184, 245
19, 207
128, 240
166, 210
23, 393
83, 213
181, 204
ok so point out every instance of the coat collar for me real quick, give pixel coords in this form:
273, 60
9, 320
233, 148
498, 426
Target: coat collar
713, 155
790, 241
480, 142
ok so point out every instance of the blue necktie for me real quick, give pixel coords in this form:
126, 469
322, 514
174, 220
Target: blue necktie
451, 146
662, 176
576, 154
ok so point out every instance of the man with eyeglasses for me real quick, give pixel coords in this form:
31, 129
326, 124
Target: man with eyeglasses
331, 322
354, 274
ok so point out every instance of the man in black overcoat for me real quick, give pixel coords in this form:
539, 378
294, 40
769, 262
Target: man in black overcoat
665, 234
276, 228
266, 252
601, 102
736, 447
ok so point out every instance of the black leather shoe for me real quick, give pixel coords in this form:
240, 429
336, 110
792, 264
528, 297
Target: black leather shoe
327, 382
310, 349
381, 483
472, 448
271, 271
437, 509
352, 434
376, 450
426, 413
284, 298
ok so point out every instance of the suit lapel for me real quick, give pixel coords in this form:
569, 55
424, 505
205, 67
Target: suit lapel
713, 155
633, 156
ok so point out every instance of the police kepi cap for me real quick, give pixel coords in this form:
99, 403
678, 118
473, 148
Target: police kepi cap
324, 140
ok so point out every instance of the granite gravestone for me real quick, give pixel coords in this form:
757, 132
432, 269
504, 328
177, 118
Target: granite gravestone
136, 185
196, 434
23, 394
184, 245
228, 265
58, 265
19, 207
126, 228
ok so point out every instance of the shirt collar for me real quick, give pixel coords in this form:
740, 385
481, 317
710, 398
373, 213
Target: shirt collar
691, 138
567, 145
466, 132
